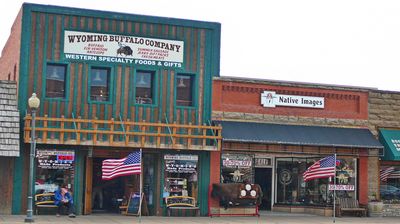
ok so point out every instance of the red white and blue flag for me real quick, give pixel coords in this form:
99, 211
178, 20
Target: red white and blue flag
385, 173
323, 168
122, 167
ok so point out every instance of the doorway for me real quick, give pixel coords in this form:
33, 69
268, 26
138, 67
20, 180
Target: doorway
108, 195
263, 177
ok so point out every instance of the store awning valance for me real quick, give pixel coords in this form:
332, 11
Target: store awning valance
391, 141
297, 135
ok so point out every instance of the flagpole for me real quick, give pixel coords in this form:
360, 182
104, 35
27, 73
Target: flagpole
140, 187
334, 193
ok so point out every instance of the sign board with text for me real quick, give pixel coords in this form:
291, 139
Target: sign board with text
339, 187
103, 47
271, 99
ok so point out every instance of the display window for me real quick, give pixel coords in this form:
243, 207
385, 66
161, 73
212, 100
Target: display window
390, 184
292, 189
237, 168
181, 175
54, 167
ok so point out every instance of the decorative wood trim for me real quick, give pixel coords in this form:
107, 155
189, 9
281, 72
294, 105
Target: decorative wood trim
138, 134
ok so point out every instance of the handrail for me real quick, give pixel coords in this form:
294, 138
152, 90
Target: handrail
144, 137
169, 129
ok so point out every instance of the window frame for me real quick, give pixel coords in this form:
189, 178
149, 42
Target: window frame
154, 87
193, 79
66, 81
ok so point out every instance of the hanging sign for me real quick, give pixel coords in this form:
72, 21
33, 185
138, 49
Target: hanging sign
262, 162
271, 99
115, 48
55, 159
339, 187
181, 163
236, 160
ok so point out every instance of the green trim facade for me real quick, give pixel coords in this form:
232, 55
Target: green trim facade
42, 43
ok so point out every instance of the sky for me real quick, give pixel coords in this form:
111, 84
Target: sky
341, 42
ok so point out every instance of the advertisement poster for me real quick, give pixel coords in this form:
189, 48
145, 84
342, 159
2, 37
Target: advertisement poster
55, 159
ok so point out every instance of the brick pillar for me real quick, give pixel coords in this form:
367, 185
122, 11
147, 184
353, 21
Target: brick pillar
363, 180
215, 173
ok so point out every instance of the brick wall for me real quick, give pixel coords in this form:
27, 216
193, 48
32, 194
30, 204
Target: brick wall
239, 99
9, 60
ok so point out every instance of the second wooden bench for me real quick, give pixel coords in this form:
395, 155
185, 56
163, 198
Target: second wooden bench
181, 203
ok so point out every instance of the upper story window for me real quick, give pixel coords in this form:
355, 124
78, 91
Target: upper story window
184, 90
55, 80
144, 87
100, 84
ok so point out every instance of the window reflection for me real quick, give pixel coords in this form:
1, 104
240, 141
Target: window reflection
292, 189
144, 87
99, 84
55, 80
390, 184
184, 90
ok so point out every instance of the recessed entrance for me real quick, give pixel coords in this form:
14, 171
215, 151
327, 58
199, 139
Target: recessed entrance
108, 195
263, 177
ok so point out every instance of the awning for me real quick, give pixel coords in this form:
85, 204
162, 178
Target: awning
391, 141
297, 135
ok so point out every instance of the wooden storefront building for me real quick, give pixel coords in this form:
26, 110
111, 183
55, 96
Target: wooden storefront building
109, 84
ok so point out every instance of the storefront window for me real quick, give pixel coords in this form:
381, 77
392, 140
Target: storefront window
181, 175
292, 189
54, 167
390, 184
237, 168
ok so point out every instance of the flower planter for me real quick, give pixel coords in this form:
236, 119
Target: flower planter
375, 209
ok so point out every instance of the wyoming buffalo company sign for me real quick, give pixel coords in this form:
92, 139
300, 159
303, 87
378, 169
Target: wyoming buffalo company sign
122, 49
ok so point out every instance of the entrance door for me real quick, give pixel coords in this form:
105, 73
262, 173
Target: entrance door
263, 177
108, 195
150, 177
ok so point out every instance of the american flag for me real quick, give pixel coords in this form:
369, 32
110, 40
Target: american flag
122, 167
323, 168
385, 173
394, 175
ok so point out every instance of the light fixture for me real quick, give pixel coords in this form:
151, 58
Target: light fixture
97, 78
141, 81
181, 84
54, 74
33, 103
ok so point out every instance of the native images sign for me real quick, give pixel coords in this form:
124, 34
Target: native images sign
271, 99
122, 49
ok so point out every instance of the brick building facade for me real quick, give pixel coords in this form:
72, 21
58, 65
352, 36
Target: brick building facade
345, 109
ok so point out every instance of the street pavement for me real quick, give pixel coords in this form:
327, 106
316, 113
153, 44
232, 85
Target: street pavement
265, 217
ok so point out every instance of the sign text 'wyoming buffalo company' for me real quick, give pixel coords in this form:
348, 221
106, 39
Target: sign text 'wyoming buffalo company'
122, 49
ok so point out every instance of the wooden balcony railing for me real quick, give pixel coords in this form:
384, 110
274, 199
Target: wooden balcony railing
92, 132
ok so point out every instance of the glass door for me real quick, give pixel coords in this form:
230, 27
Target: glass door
149, 180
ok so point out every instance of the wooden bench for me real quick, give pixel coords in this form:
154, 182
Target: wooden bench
181, 203
350, 205
45, 200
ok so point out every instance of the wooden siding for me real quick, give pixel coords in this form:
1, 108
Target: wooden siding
47, 47
6, 186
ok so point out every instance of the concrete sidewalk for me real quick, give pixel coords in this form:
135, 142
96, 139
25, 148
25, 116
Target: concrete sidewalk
268, 217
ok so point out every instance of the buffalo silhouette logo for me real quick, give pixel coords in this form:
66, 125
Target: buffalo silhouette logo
124, 50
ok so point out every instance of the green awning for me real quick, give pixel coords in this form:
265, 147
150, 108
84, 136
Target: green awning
390, 139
